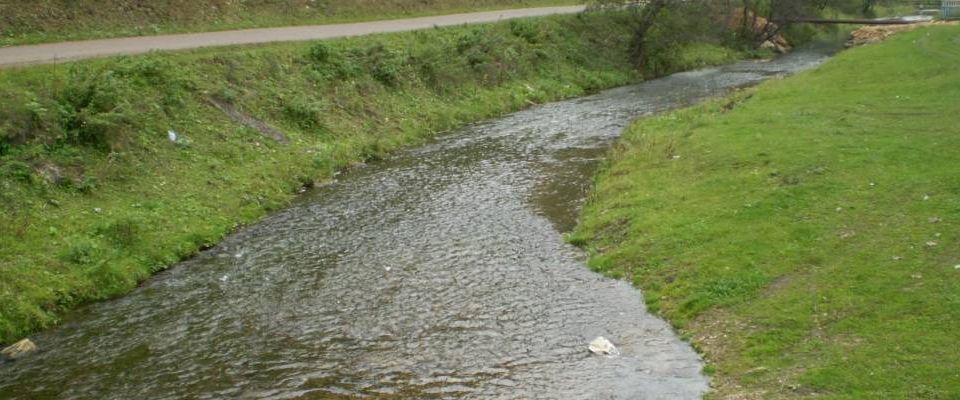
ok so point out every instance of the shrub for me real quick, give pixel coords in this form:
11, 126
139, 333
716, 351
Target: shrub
17, 171
385, 64
85, 184
304, 113
81, 251
530, 31
320, 53
98, 107
328, 63
475, 47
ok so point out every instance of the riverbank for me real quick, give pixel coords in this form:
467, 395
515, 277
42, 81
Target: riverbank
30, 22
115, 169
803, 234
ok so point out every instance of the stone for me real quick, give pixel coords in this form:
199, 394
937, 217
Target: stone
775, 46
602, 346
18, 349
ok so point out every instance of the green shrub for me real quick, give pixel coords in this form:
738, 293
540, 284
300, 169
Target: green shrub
529, 31
328, 63
85, 184
17, 171
385, 64
81, 251
475, 47
98, 107
304, 113
320, 53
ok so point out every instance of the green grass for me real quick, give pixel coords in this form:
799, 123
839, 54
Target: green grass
95, 197
805, 234
30, 21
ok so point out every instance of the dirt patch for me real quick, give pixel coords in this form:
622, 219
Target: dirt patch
718, 337
878, 33
239, 117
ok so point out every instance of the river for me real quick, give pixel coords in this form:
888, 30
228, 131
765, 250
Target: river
440, 272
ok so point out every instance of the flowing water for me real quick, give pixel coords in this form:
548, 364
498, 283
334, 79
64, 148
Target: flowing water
438, 273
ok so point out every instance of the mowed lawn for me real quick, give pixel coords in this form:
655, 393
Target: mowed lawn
805, 235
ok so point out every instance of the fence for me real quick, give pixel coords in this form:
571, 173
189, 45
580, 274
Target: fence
951, 9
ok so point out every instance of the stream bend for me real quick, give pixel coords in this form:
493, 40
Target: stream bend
438, 273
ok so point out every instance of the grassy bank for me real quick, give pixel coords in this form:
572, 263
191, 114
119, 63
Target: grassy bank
804, 234
29, 21
95, 196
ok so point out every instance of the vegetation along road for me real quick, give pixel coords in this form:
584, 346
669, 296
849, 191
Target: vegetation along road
58, 52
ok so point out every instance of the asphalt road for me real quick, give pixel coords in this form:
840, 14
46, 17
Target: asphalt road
78, 50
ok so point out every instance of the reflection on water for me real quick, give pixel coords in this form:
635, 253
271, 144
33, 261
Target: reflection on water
439, 273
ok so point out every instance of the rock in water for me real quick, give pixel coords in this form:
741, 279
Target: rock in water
18, 349
602, 346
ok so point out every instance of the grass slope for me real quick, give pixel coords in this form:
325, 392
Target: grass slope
804, 234
31, 21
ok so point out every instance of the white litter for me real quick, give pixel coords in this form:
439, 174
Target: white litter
602, 346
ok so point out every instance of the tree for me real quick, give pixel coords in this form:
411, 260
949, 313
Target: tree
662, 26
672, 22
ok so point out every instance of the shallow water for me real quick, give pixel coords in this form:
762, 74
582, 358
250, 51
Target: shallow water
438, 273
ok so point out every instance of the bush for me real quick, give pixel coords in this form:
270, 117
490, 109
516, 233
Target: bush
385, 64
86, 184
328, 63
320, 53
17, 171
529, 31
304, 113
97, 107
475, 47
81, 251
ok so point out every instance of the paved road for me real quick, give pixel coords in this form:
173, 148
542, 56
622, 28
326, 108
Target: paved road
69, 51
